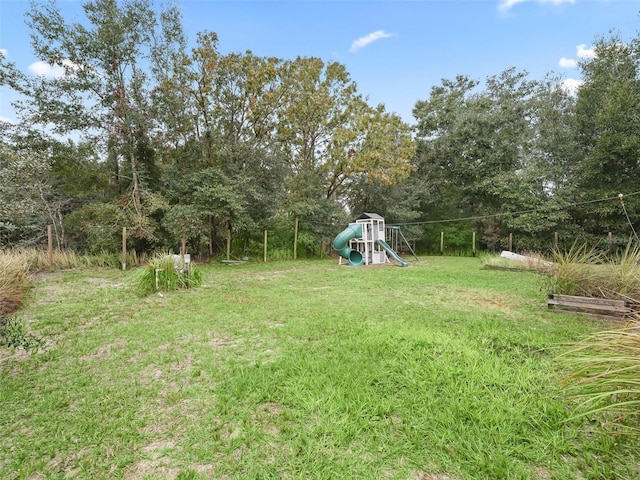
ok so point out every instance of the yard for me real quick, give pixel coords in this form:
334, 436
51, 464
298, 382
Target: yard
300, 370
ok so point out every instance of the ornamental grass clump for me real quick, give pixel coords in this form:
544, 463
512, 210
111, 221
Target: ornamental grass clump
14, 282
163, 273
588, 272
604, 378
574, 271
622, 274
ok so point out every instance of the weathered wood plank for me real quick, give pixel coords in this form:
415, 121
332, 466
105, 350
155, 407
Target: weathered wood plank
590, 300
590, 306
594, 307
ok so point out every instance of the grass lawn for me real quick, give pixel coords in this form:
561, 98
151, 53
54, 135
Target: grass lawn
300, 370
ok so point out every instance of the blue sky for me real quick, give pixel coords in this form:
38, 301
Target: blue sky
395, 50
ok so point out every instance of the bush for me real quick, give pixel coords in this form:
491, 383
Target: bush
162, 274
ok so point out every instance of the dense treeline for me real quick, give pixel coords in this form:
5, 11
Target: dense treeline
175, 142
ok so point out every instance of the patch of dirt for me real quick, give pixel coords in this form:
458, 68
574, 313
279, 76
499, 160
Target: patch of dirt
223, 341
420, 475
103, 282
104, 351
495, 304
207, 470
157, 446
541, 473
157, 468
263, 416
271, 276
489, 300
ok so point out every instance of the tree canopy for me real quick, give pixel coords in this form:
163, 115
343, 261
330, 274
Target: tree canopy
175, 141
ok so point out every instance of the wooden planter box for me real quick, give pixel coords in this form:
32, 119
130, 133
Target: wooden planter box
592, 307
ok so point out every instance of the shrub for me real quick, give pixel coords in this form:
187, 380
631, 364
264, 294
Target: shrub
162, 274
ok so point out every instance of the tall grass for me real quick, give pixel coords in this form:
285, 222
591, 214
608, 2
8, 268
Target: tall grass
14, 282
114, 260
160, 274
588, 272
604, 369
38, 260
605, 378
18, 265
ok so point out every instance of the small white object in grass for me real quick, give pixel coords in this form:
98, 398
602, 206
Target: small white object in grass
522, 258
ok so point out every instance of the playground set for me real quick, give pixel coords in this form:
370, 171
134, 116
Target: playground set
364, 242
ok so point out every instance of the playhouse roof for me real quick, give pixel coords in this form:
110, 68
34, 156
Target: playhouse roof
373, 216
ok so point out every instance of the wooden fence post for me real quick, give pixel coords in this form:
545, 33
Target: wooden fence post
555, 241
50, 244
124, 248
511, 242
610, 243
229, 244
295, 240
183, 251
442, 243
265, 245
473, 243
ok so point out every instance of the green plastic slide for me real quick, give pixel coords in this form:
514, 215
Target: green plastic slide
341, 244
392, 253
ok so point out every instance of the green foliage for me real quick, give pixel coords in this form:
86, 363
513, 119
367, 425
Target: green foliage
193, 143
24, 195
96, 228
588, 272
14, 334
604, 378
163, 273
574, 271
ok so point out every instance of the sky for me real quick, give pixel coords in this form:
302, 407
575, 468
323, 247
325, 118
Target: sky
395, 50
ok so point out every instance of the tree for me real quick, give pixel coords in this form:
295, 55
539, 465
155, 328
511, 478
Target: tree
608, 132
506, 149
27, 201
104, 92
333, 137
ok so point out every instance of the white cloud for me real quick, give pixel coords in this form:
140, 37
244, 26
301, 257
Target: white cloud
568, 63
44, 69
571, 85
367, 39
507, 4
584, 52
